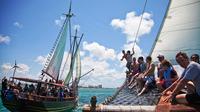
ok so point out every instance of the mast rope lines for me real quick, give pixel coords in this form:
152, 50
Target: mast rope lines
68, 22
144, 8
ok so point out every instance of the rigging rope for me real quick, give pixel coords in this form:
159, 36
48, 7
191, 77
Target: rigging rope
139, 24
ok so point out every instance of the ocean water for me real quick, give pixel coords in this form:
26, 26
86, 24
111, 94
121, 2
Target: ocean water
84, 97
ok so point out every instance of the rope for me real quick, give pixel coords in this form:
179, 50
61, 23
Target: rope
140, 24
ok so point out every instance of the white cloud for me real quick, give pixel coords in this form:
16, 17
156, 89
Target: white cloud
104, 73
23, 68
130, 24
41, 60
99, 51
17, 24
82, 53
77, 27
137, 49
4, 39
105, 63
129, 27
59, 21
6, 67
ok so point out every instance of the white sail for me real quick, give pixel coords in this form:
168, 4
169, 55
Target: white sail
54, 65
180, 30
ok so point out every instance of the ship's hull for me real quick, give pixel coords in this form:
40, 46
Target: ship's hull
24, 105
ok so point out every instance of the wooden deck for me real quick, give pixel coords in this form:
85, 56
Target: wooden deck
168, 107
120, 108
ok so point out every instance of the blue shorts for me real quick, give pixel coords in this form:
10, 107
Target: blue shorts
149, 79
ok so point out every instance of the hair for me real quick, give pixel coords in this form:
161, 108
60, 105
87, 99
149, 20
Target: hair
166, 63
134, 58
195, 57
123, 51
141, 58
128, 51
184, 55
149, 58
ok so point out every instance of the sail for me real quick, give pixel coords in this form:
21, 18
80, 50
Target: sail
78, 65
71, 69
180, 30
54, 65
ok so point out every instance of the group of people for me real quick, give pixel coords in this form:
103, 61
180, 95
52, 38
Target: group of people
141, 74
45, 89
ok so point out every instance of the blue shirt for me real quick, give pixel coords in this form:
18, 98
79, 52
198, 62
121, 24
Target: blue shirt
142, 67
192, 73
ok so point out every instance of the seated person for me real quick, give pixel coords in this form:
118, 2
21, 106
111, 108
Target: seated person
190, 74
134, 71
168, 76
159, 66
195, 58
4, 84
147, 79
141, 70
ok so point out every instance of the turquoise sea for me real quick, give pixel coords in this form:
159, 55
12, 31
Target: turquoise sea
84, 97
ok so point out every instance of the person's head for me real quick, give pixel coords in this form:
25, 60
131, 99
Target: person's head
128, 52
134, 59
140, 59
123, 51
195, 58
166, 64
182, 59
160, 57
148, 59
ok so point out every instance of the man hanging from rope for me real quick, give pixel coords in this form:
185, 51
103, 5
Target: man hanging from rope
128, 57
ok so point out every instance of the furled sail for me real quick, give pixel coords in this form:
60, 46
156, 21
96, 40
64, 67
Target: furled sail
54, 64
180, 30
78, 65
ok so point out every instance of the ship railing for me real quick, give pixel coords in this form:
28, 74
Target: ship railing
35, 97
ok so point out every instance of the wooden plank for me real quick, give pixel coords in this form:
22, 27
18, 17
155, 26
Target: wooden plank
120, 108
168, 107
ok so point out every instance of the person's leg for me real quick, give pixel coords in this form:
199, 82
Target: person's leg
143, 90
181, 98
159, 85
131, 81
140, 82
190, 88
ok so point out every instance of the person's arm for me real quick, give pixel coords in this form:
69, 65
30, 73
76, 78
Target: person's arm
122, 58
133, 51
171, 88
150, 70
181, 84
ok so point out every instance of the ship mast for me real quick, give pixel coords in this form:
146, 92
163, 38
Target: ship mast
15, 68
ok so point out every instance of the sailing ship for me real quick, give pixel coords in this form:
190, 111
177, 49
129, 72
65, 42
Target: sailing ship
55, 94
179, 31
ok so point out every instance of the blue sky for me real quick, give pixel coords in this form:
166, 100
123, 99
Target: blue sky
28, 29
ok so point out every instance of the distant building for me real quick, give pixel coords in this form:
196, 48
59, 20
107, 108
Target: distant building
100, 86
